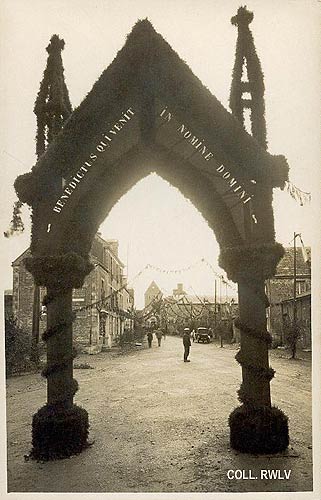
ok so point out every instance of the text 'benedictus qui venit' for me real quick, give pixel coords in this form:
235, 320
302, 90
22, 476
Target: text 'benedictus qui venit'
103, 145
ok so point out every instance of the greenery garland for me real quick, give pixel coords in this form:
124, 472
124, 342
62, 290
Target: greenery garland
253, 332
260, 371
59, 271
31, 189
59, 432
58, 328
261, 429
251, 262
56, 367
16, 224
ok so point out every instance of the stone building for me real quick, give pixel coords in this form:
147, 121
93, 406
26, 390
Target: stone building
152, 293
179, 310
280, 292
7, 303
95, 327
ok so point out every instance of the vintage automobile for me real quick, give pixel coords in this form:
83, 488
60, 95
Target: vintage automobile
203, 335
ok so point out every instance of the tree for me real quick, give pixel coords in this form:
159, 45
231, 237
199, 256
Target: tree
17, 347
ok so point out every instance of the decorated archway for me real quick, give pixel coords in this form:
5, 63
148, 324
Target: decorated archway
149, 112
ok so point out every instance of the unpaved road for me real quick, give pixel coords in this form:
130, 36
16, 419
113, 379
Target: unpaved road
160, 425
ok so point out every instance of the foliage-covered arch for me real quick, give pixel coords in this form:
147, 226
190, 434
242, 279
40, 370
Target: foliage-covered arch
148, 112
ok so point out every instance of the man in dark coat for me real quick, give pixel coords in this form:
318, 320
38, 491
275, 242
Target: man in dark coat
159, 335
149, 338
187, 344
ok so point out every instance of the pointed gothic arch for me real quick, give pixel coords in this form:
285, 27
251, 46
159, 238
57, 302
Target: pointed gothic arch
149, 112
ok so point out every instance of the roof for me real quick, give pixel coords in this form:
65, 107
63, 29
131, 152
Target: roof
195, 299
21, 257
153, 285
104, 244
285, 265
304, 295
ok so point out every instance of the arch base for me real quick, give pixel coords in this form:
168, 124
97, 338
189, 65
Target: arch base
262, 430
59, 432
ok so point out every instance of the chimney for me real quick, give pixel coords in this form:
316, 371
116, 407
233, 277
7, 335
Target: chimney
113, 245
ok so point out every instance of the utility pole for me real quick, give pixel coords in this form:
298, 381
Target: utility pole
220, 324
35, 324
215, 301
127, 266
220, 298
294, 280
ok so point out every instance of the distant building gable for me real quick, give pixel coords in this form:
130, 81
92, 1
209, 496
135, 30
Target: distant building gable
286, 264
153, 292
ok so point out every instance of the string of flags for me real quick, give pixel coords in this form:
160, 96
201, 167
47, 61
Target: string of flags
220, 276
189, 268
297, 194
172, 271
104, 300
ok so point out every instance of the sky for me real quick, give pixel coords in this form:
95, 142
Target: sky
154, 223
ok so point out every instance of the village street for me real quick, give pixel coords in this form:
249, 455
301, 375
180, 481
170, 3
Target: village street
159, 424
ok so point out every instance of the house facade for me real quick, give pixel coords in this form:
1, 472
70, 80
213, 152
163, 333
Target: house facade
8, 297
103, 307
280, 293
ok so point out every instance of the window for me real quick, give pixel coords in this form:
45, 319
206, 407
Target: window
102, 289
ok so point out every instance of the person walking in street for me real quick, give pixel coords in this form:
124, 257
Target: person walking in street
159, 335
165, 333
187, 344
150, 338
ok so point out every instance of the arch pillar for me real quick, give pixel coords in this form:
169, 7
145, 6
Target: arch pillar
59, 428
256, 426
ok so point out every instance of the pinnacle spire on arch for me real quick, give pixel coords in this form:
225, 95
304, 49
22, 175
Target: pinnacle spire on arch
243, 17
52, 106
247, 89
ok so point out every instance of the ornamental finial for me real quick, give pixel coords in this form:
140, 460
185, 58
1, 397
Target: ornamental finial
243, 17
56, 44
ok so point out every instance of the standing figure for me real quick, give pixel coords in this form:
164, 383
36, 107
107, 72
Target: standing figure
159, 335
187, 344
165, 333
150, 338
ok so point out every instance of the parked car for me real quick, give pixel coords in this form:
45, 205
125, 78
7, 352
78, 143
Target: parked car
203, 335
